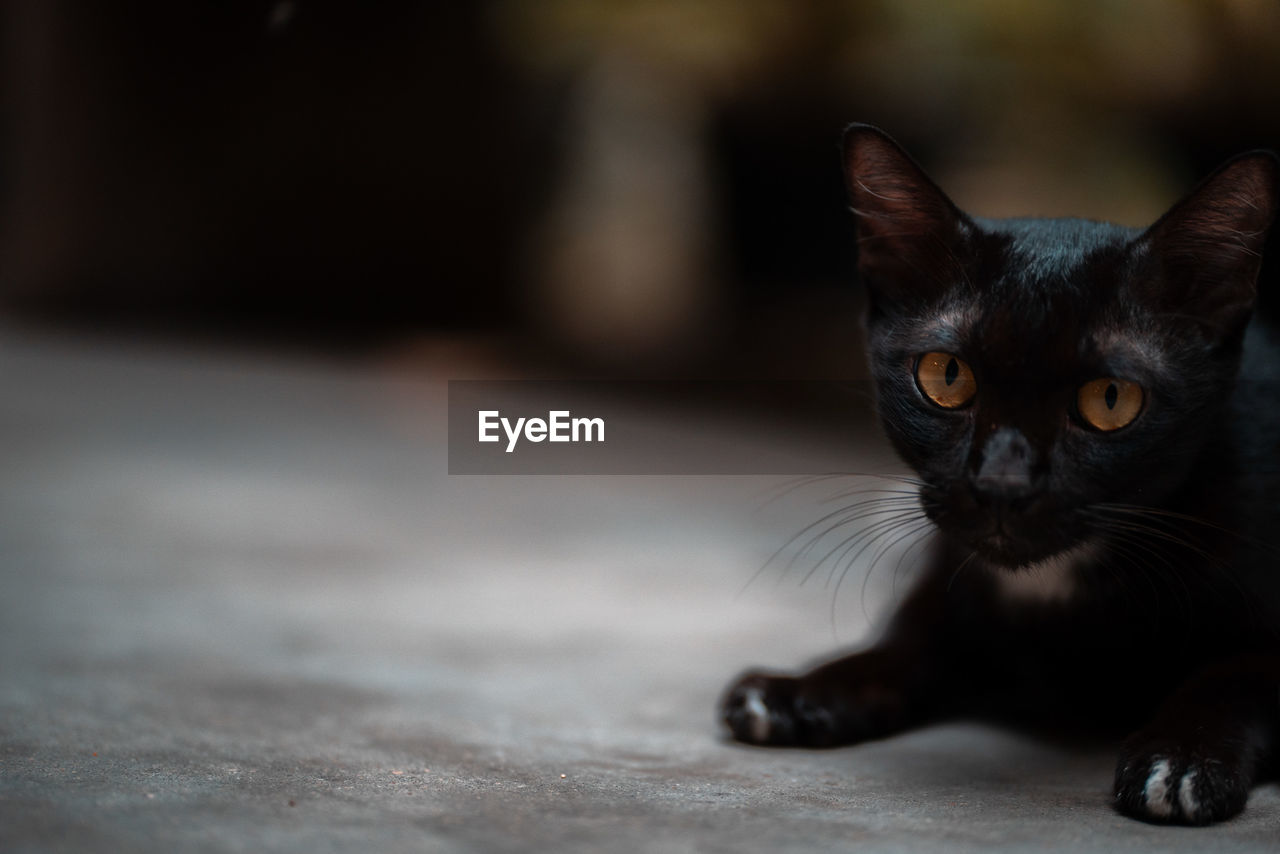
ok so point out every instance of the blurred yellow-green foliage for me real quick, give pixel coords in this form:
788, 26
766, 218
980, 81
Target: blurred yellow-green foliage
636, 183
1015, 91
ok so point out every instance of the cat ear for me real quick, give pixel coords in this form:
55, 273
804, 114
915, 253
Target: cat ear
911, 238
1201, 259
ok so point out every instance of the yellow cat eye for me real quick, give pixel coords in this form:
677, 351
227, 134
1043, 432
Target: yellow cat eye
945, 379
1109, 403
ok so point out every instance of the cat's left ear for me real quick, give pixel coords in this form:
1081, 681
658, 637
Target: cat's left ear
1201, 259
911, 237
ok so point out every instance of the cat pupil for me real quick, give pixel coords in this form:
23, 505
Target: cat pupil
953, 371
1111, 395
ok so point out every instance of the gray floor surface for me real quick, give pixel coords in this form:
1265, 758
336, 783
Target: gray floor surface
243, 607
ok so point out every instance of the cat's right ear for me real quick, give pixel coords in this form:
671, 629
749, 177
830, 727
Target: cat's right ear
911, 238
1201, 259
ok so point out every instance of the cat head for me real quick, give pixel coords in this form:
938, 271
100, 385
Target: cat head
1031, 370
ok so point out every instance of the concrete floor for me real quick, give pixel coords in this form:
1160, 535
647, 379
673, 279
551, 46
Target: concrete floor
243, 607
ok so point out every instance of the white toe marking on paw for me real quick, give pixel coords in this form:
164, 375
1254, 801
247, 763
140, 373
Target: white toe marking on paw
1156, 793
758, 713
1187, 795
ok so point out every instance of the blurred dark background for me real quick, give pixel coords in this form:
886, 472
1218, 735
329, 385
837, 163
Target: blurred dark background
638, 187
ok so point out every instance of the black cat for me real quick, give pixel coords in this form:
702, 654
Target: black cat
1101, 472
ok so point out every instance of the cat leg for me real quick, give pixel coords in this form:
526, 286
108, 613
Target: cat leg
1196, 761
865, 695
900, 682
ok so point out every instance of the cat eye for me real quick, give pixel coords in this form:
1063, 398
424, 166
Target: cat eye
1109, 403
945, 379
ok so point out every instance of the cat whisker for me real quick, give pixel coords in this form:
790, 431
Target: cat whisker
875, 503
864, 540
1141, 553
1155, 513
1135, 526
844, 515
914, 495
792, 485
782, 490
919, 532
852, 561
959, 569
897, 567
1146, 535
1163, 536
876, 507
1119, 548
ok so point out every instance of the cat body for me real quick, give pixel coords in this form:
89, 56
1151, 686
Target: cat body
1101, 471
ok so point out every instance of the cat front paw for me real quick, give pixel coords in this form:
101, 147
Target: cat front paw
765, 709
1170, 784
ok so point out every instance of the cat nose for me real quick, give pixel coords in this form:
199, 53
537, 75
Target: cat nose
1006, 472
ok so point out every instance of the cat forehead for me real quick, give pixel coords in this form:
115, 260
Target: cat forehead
1019, 354
1048, 294
1048, 283
1047, 251
995, 334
